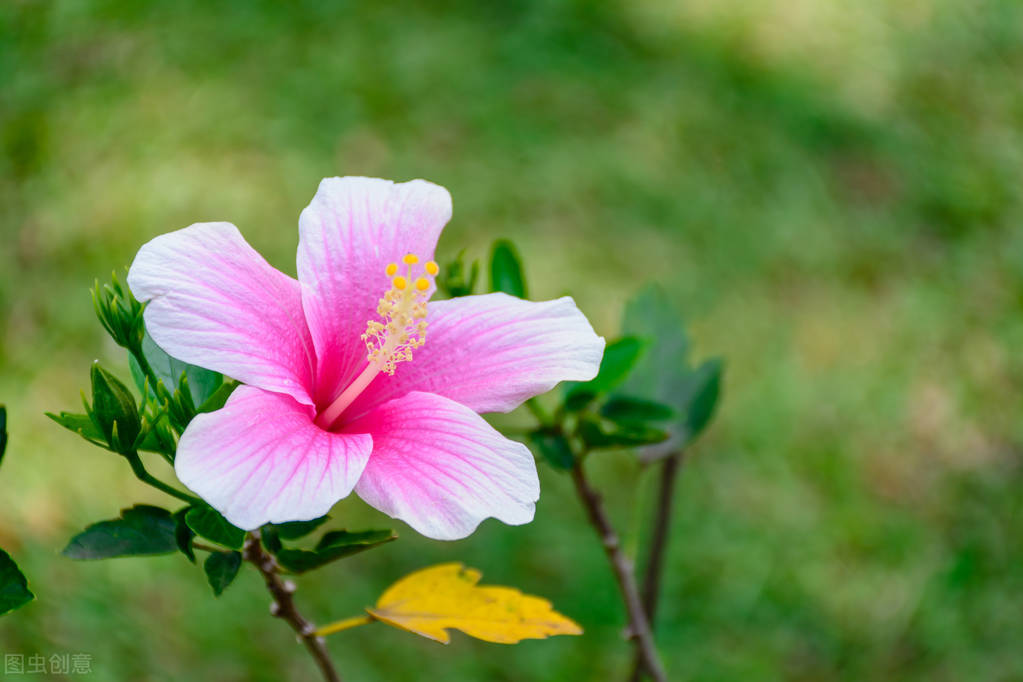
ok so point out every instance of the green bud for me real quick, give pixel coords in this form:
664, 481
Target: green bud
119, 313
114, 409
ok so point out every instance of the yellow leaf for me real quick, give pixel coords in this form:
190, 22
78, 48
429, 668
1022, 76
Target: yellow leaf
430, 601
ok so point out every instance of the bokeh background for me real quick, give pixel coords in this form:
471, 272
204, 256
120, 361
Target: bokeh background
831, 192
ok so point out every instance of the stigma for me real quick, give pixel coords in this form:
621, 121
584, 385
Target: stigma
402, 325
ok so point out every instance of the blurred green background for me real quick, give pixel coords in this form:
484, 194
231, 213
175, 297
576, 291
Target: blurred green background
830, 191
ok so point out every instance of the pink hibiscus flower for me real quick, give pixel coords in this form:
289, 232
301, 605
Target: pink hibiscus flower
351, 379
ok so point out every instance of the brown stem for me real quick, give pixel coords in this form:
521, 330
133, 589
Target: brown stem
283, 606
658, 546
621, 565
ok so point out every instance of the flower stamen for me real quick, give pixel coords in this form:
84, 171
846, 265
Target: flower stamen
391, 340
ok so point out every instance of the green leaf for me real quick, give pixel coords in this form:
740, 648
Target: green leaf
629, 411
596, 436
506, 269
115, 411
3, 432
664, 373
337, 544
554, 447
14, 592
141, 531
81, 424
293, 530
453, 279
201, 383
183, 535
207, 522
619, 359
706, 389
221, 570
219, 397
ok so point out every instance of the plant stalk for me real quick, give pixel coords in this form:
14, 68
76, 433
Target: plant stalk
658, 545
283, 606
621, 565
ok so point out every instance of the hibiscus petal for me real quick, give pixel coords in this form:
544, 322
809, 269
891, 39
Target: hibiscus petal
216, 303
440, 468
349, 233
261, 460
494, 351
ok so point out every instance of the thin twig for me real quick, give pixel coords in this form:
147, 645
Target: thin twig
283, 606
621, 565
658, 546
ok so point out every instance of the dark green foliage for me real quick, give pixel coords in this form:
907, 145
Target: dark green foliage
455, 279
14, 592
506, 273
619, 359
294, 530
337, 544
3, 432
665, 373
210, 524
114, 411
183, 534
623, 409
221, 570
142, 530
553, 446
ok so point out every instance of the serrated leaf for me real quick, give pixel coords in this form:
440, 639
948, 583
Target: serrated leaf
293, 530
623, 409
210, 524
14, 592
506, 269
337, 544
447, 596
202, 383
142, 530
115, 411
619, 359
554, 447
221, 570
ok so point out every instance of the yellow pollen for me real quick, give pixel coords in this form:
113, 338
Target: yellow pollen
401, 327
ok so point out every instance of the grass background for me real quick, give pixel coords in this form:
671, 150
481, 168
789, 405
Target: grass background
831, 192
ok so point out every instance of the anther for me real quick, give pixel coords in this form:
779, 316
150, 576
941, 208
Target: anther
432, 268
422, 284
399, 283
410, 259
391, 269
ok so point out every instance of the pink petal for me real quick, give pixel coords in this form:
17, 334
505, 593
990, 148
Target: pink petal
492, 352
349, 233
216, 303
440, 468
261, 460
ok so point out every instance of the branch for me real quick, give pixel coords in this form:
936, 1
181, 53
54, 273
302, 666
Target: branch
658, 546
283, 606
639, 626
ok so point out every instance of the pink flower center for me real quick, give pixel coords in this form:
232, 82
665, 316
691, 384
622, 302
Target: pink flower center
392, 340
